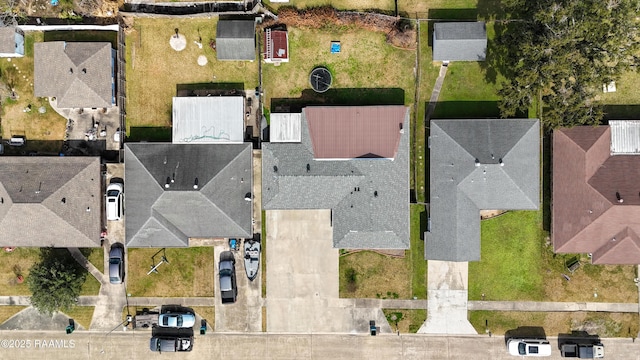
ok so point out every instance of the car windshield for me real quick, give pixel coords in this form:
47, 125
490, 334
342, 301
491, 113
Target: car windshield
113, 192
114, 261
522, 348
225, 272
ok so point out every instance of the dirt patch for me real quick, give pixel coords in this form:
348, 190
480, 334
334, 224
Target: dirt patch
400, 32
488, 214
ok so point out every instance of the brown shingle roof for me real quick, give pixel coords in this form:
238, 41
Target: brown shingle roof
348, 132
587, 216
78, 74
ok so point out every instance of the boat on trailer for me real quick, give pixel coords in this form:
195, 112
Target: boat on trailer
251, 258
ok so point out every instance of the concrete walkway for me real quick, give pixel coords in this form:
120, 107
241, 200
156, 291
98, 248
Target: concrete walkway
447, 288
435, 94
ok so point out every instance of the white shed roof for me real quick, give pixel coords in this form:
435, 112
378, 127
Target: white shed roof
285, 127
208, 120
625, 137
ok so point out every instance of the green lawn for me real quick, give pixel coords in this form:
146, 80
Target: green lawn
387, 277
518, 264
154, 70
95, 257
554, 323
368, 71
625, 102
81, 315
418, 263
189, 272
405, 321
511, 263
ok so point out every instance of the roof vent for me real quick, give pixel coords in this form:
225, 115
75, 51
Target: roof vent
88, 209
63, 200
247, 197
500, 161
84, 70
195, 184
619, 198
477, 162
70, 70
167, 183
375, 193
275, 168
2, 200
308, 167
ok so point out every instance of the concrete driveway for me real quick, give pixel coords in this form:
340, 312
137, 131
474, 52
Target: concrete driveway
302, 277
246, 313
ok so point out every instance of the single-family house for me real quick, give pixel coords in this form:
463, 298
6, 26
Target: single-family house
178, 192
77, 74
595, 192
236, 40
459, 41
11, 42
50, 201
479, 164
208, 120
353, 160
275, 45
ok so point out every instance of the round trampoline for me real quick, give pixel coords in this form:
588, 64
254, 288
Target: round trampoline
320, 79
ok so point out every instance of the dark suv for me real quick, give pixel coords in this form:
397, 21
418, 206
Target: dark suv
227, 269
171, 344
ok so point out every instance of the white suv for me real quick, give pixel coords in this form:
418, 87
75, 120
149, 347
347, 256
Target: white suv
529, 347
115, 206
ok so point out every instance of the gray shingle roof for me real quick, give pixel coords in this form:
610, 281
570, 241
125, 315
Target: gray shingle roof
459, 41
236, 40
78, 74
466, 176
361, 219
8, 43
167, 217
44, 201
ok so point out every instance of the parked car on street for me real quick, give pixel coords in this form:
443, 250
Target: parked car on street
171, 344
582, 351
116, 263
529, 347
114, 201
227, 273
176, 320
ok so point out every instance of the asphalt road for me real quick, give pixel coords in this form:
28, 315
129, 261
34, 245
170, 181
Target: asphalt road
27, 345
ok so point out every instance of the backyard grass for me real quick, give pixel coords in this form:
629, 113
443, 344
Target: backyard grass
81, 315
408, 321
189, 272
367, 71
418, 263
444, 9
554, 323
154, 69
625, 102
517, 264
48, 128
6, 312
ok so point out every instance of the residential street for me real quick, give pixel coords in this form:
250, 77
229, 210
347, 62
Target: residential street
135, 345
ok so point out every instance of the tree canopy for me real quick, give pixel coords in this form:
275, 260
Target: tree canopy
55, 282
565, 51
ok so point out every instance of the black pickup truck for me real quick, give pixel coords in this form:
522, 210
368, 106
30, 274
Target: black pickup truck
583, 351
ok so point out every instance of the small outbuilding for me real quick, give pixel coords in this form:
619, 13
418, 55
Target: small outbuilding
275, 47
236, 40
11, 42
459, 41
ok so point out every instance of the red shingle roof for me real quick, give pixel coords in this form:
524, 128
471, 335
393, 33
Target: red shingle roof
348, 132
275, 45
587, 216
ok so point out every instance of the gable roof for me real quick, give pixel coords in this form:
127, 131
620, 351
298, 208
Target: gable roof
208, 119
459, 41
491, 164
11, 41
369, 197
275, 45
347, 132
50, 201
77, 74
161, 216
236, 40
587, 216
